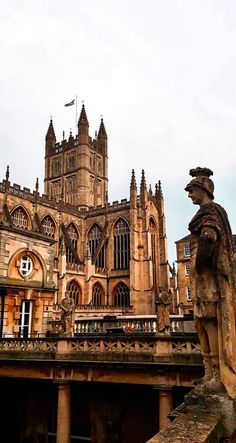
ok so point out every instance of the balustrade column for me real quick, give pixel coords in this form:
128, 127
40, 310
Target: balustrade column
63, 413
165, 404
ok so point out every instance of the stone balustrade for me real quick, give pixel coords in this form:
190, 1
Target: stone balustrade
152, 345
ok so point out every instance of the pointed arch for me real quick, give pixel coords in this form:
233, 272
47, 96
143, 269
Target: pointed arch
121, 234
94, 235
153, 232
49, 226
121, 295
73, 236
98, 294
74, 291
20, 217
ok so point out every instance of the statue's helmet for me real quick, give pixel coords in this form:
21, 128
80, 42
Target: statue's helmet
202, 180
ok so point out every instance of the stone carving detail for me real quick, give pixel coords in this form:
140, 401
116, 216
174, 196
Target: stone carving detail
212, 284
67, 313
28, 345
163, 315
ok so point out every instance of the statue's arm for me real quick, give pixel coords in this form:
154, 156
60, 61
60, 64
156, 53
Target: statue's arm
206, 249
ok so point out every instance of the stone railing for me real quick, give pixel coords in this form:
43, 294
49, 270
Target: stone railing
159, 348
129, 324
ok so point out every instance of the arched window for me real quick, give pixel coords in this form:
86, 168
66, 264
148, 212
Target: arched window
121, 295
19, 218
74, 291
121, 245
98, 295
48, 226
94, 237
72, 233
152, 230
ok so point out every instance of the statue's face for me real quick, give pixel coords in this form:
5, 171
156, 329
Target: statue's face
197, 195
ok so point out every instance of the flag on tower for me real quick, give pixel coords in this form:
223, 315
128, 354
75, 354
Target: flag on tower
71, 103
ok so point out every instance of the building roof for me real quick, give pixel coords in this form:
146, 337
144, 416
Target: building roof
186, 238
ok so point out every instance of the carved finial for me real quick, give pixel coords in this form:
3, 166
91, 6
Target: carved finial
150, 190
143, 181
133, 184
37, 185
7, 173
200, 172
174, 270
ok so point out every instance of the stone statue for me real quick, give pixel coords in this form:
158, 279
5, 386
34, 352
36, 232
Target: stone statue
67, 310
163, 315
212, 284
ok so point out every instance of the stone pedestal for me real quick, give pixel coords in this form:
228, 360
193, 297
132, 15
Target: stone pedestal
204, 417
63, 413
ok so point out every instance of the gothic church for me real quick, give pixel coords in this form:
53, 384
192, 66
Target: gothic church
110, 258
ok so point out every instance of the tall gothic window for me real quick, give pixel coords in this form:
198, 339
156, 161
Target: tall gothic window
48, 226
19, 218
74, 291
152, 229
121, 295
56, 188
94, 237
121, 245
72, 233
98, 295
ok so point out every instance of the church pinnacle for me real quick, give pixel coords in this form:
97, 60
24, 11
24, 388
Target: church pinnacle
133, 185
50, 132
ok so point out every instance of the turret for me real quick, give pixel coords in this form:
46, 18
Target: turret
133, 191
102, 138
83, 127
50, 139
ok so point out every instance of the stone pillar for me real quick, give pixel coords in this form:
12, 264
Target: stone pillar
63, 413
165, 404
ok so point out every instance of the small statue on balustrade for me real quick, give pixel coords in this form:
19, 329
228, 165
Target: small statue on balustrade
163, 311
67, 306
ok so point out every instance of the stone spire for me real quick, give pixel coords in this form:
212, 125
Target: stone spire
83, 127
143, 189
50, 132
7, 174
159, 197
6, 183
37, 185
133, 184
158, 191
150, 190
143, 185
102, 138
102, 130
133, 191
50, 138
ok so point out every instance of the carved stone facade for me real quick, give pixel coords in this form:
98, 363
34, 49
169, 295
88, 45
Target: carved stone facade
110, 258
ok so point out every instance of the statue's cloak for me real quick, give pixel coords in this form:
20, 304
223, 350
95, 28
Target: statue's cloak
223, 272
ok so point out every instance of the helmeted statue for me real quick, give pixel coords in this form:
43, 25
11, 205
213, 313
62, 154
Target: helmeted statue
212, 284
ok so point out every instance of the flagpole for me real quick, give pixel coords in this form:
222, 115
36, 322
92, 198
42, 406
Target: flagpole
75, 115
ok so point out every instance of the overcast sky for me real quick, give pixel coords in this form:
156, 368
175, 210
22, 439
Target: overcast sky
161, 72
